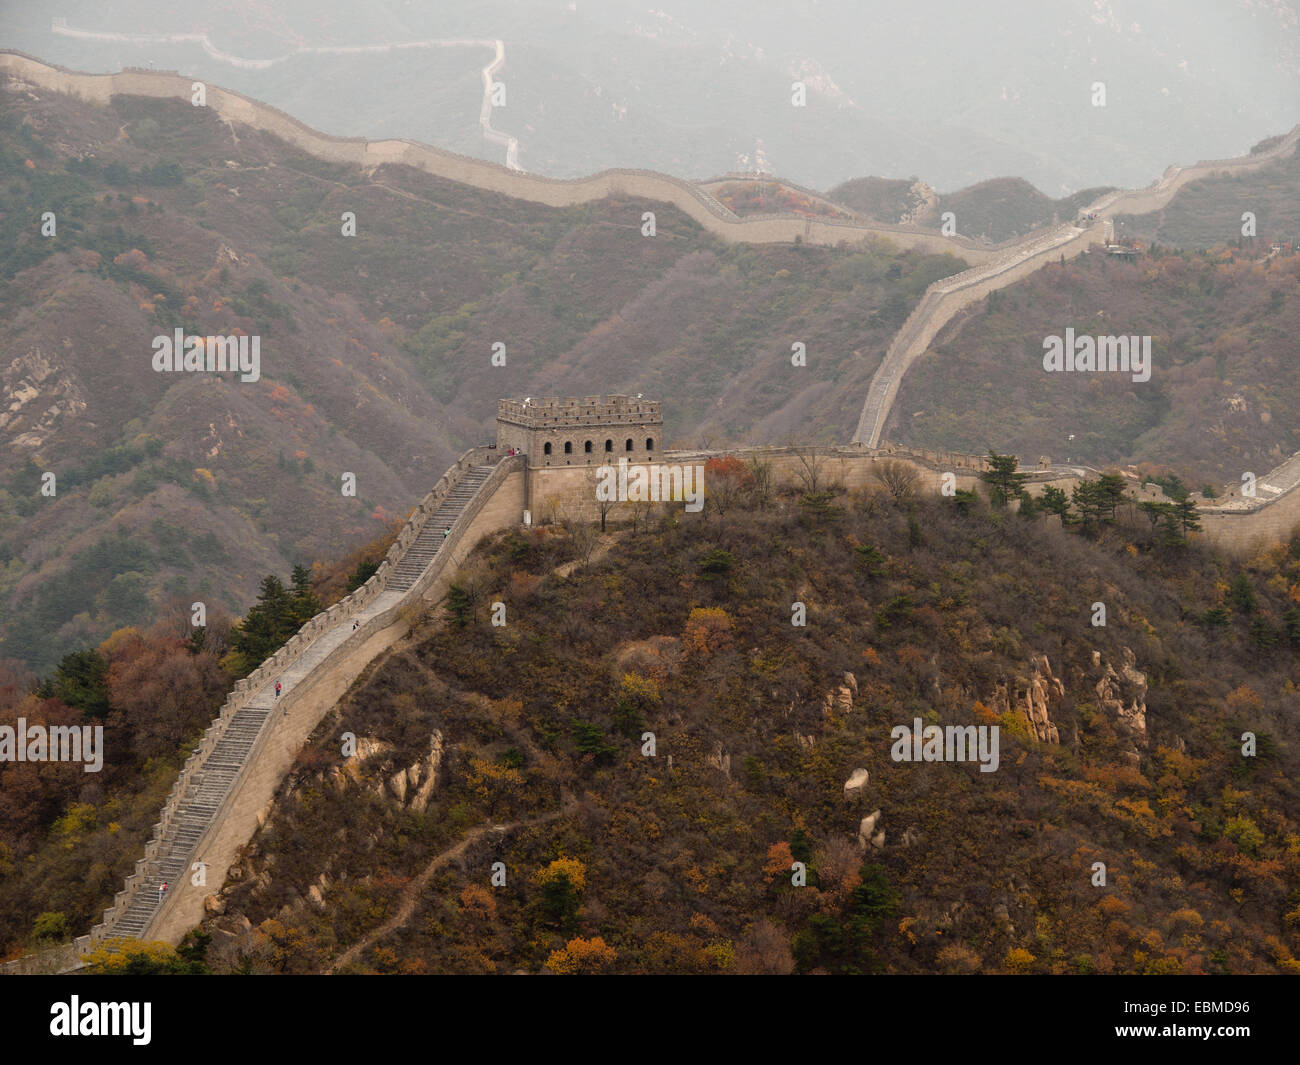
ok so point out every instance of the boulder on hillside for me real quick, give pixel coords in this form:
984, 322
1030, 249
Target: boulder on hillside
867, 827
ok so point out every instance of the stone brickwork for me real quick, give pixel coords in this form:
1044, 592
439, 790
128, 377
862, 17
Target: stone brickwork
560, 493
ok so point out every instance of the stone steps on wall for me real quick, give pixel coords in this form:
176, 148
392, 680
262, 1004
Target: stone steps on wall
425, 547
204, 797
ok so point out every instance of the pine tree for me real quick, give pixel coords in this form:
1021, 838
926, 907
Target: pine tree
1110, 493
1291, 623
1054, 501
1186, 511
1242, 595
1089, 503
305, 603
269, 622
81, 681
1004, 482
459, 605
1172, 535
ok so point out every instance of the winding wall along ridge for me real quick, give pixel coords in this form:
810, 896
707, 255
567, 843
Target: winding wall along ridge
945, 297
510, 144
27, 71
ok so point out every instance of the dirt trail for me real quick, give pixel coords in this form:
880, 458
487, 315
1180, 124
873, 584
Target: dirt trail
410, 897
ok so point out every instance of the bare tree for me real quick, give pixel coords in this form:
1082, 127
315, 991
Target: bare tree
898, 478
641, 512
727, 480
552, 511
869, 500
604, 507
585, 538
764, 950
811, 469
760, 485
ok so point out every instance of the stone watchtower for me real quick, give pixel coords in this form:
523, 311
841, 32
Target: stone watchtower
594, 431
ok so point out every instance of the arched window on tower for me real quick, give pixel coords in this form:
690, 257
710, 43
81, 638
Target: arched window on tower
547, 449
650, 443
609, 445
627, 446
568, 447
588, 447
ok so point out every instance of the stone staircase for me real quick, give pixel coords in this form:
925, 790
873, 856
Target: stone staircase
194, 815
425, 546
214, 780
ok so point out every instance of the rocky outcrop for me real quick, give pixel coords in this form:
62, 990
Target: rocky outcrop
720, 760
1042, 694
411, 787
367, 748
1123, 693
1034, 699
867, 828
856, 782
37, 396
839, 700
429, 770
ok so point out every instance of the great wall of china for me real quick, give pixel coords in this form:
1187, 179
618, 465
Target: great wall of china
25, 71
226, 787
947, 296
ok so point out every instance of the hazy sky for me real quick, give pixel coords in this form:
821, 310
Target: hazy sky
947, 90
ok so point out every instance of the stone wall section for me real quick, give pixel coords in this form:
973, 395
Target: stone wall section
308, 700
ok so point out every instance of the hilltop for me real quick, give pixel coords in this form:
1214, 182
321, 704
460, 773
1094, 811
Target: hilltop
1208, 213
524, 745
996, 210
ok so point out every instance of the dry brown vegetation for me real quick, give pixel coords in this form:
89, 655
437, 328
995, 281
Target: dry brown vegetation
684, 630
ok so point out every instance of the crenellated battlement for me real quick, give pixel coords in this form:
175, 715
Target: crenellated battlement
550, 412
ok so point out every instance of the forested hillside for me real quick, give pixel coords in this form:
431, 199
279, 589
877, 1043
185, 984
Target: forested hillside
1222, 395
376, 349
